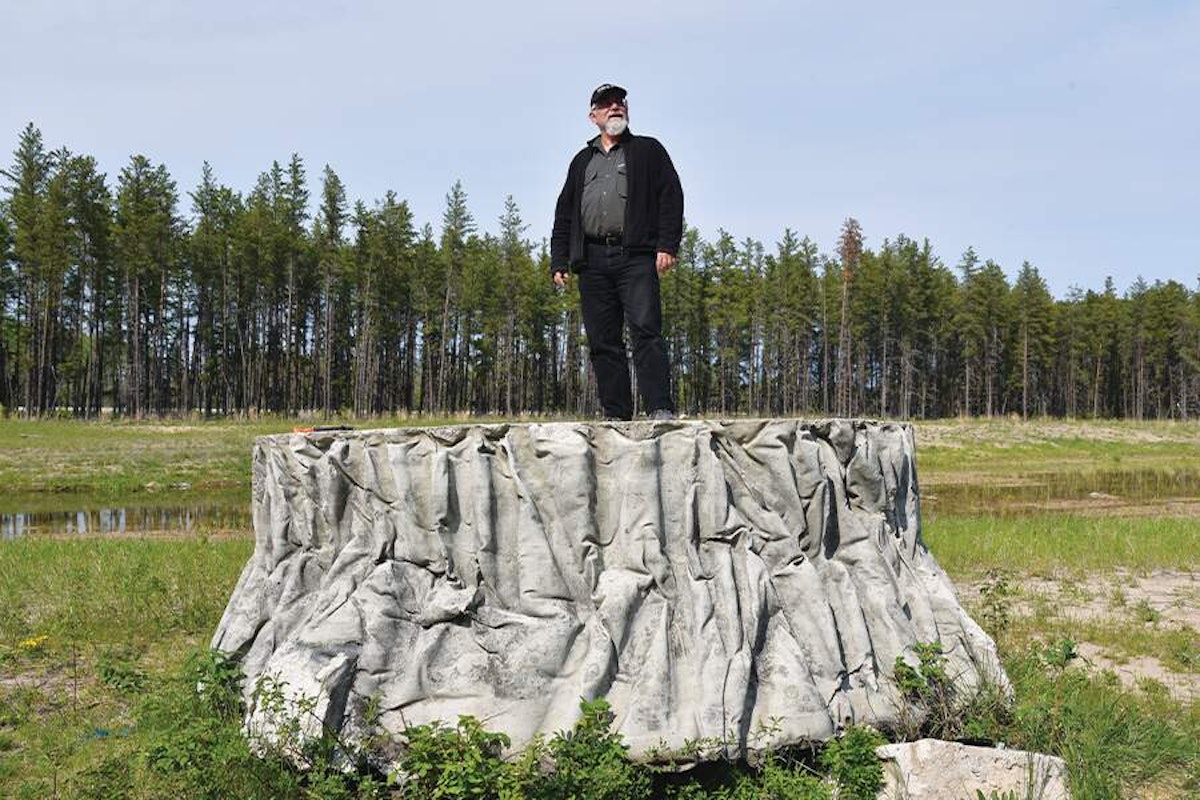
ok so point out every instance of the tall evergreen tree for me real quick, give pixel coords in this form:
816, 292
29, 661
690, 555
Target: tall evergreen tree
146, 242
457, 227
8, 327
1033, 308
850, 248
329, 236
28, 178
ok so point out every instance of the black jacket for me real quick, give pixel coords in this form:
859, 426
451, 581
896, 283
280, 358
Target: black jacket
653, 208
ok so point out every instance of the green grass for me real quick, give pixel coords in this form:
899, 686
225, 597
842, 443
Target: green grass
57, 464
111, 461
1117, 743
967, 545
97, 698
88, 629
97, 592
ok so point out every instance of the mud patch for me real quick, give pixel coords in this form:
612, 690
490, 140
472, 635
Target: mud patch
1105, 505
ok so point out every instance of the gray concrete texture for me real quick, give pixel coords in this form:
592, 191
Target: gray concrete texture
749, 583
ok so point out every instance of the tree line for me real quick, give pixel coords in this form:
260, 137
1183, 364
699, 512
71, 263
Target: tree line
117, 298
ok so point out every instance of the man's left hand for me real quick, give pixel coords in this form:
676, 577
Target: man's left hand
664, 263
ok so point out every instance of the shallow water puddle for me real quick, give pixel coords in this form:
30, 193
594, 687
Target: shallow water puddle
181, 519
1034, 491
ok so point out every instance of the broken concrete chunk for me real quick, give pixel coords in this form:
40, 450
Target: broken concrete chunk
931, 769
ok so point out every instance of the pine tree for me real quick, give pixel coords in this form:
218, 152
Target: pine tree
146, 242
850, 248
457, 227
328, 234
1033, 308
28, 178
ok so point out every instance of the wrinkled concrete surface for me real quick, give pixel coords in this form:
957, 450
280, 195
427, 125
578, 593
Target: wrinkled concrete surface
752, 581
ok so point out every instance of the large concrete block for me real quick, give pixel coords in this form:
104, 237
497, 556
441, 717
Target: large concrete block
750, 581
931, 769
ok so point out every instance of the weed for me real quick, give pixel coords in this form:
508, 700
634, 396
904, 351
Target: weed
995, 596
777, 780
928, 678
935, 707
34, 645
1059, 653
218, 680
1144, 612
118, 668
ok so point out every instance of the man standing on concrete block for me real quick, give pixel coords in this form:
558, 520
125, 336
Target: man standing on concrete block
618, 223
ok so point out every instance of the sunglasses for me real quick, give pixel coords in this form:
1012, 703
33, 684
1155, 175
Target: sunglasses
615, 101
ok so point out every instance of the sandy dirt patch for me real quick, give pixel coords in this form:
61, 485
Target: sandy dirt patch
1011, 432
1165, 600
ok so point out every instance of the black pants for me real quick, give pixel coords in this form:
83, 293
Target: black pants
618, 287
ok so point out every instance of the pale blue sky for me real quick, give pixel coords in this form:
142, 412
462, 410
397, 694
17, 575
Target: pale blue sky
1062, 133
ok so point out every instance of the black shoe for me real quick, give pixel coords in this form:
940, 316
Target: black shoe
616, 419
662, 415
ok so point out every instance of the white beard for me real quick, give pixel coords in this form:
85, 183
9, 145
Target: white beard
615, 126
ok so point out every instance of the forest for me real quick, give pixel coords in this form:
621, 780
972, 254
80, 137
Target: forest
127, 299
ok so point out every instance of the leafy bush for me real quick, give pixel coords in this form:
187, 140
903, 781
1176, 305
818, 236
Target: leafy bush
459, 762
591, 762
853, 765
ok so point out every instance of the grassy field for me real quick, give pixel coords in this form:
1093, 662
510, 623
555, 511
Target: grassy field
1075, 544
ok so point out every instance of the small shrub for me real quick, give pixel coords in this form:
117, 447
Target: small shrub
459, 762
935, 707
591, 760
218, 680
194, 745
780, 783
928, 679
996, 600
853, 765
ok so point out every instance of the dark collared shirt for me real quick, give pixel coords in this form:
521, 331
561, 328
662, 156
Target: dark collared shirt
605, 189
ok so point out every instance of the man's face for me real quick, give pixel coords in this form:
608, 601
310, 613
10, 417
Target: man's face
608, 108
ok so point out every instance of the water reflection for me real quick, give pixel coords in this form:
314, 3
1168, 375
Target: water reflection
1027, 492
125, 520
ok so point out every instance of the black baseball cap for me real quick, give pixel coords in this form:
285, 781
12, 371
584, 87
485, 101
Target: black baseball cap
607, 91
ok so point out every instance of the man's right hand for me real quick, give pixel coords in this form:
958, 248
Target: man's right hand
560, 278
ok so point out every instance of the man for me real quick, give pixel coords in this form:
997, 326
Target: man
618, 223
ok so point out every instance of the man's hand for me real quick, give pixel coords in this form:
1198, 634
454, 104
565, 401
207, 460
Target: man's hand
560, 278
664, 263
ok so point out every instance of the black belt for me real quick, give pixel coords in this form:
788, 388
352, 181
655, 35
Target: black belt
608, 240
